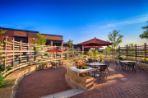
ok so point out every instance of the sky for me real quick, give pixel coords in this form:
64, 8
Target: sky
78, 20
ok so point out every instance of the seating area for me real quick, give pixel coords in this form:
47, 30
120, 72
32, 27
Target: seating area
91, 73
112, 81
74, 49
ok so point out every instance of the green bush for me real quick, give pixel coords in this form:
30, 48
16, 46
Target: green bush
2, 67
93, 53
2, 81
8, 68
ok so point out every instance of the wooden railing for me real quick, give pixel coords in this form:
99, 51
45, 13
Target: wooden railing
135, 52
14, 53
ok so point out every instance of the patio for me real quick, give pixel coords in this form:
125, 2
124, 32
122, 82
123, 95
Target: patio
42, 83
85, 72
119, 84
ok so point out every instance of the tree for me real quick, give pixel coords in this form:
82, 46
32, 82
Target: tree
131, 44
107, 50
70, 44
41, 40
116, 39
144, 35
2, 67
2, 32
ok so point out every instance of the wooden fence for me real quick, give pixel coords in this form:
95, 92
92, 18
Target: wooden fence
14, 53
135, 52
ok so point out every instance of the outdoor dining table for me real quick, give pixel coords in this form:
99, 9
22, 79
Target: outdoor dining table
128, 64
75, 69
127, 61
100, 69
96, 64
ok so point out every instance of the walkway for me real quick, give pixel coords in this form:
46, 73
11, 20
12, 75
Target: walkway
120, 85
42, 83
65, 94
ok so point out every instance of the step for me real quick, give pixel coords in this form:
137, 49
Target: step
65, 94
89, 85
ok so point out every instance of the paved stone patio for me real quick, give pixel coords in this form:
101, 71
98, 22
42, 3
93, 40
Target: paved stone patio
118, 84
42, 83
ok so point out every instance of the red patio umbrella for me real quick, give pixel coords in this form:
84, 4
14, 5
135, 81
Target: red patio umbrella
92, 46
54, 50
95, 42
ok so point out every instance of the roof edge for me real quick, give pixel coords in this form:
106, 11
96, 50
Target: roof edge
53, 35
19, 29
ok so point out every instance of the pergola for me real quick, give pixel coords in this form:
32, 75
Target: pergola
94, 43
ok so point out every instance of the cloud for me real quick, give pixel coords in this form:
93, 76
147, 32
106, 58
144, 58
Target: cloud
136, 20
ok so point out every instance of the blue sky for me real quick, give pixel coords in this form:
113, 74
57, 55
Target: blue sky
78, 20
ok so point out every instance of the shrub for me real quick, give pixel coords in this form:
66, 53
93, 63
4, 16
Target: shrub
8, 68
2, 67
81, 64
2, 81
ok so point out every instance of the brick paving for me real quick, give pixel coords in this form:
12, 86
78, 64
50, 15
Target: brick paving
120, 85
42, 83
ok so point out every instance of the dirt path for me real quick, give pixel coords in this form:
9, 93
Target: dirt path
42, 83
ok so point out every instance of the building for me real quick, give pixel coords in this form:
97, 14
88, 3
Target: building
28, 36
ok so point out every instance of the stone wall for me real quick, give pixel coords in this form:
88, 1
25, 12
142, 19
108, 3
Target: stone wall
76, 81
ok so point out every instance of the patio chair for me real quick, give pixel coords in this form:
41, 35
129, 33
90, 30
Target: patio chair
54, 65
90, 60
137, 66
103, 71
131, 66
108, 64
96, 74
122, 66
117, 64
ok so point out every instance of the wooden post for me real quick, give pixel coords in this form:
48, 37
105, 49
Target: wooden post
28, 52
119, 51
20, 52
13, 51
51, 43
82, 49
135, 52
5, 47
145, 52
126, 51
112, 52
34, 52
